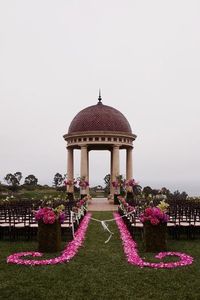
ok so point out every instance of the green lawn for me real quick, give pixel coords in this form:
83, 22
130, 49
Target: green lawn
99, 271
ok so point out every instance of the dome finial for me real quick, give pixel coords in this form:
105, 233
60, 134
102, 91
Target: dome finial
99, 96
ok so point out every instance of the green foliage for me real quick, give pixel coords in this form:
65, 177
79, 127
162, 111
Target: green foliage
41, 193
147, 190
137, 189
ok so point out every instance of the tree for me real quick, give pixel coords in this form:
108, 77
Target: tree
58, 180
107, 183
13, 180
18, 176
165, 191
179, 196
147, 190
155, 192
137, 189
31, 180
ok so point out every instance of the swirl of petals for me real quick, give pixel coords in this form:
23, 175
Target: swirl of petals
67, 254
130, 250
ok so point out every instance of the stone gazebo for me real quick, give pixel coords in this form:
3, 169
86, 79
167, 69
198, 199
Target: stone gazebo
99, 127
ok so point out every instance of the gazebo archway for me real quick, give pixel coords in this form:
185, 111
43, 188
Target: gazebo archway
99, 167
99, 127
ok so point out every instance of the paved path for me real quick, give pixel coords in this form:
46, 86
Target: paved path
101, 204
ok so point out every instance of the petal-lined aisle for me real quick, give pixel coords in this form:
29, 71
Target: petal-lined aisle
68, 253
130, 250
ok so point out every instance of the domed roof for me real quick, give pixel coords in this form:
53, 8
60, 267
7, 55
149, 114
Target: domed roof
99, 117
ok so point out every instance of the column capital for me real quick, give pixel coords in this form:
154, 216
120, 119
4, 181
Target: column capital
84, 146
129, 148
116, 146
70, 147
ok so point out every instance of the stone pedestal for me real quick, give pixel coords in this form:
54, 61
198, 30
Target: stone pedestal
116, 201
49, 237
70, 196
155, 237
130, 198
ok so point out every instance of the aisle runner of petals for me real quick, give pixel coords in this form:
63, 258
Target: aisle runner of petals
68, 253
130, 250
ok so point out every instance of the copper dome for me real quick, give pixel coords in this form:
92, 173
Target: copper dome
99, 117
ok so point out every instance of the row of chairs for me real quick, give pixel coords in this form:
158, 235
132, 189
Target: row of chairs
184, 221
18, 222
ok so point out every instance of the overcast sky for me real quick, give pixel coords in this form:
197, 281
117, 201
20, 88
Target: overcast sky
145, 57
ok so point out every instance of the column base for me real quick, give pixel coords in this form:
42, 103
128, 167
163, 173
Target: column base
116, 201
70, 196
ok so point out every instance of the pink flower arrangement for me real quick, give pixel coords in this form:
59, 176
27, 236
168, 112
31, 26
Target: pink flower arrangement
70, 182
49, 215
80, 203
127, 207
154, 216
68, 253
131, 208
83, 183
130, 182
130, 250
121, 199
116, 184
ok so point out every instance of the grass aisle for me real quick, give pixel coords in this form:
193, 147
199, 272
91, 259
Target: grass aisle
99, 271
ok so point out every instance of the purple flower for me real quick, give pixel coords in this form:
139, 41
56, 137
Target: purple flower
62, 217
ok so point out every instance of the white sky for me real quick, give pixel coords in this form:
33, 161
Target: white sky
145, 57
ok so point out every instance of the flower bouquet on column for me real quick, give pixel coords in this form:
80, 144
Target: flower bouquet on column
133, 189
83, 184
154, 221
70, 183
49, 228
129, 184
118, 184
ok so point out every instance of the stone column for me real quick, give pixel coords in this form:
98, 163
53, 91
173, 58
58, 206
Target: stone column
84, 162
111, 172
88, 168
129, 163
115, 161
70, 168
116, 171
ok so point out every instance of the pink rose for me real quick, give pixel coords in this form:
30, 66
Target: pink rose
154, 221
49, 217
148, 211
